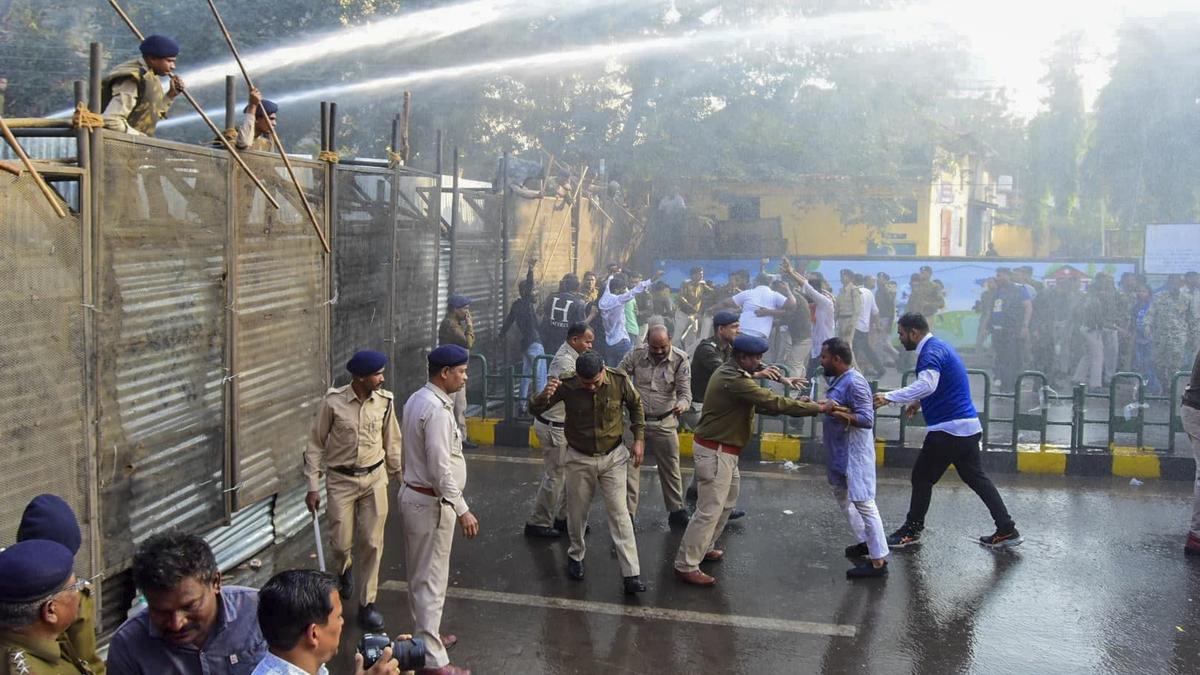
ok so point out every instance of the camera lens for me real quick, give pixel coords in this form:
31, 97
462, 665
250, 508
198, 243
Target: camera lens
410, 653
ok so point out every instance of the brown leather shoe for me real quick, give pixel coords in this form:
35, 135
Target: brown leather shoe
449, 641
714, 555
696, 578
447, 669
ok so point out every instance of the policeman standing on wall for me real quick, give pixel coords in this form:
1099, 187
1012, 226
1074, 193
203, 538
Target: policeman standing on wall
354, 436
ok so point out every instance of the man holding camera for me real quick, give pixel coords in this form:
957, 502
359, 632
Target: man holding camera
300, 614
431, 500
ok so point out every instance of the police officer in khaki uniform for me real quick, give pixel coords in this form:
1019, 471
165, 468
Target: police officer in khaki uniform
132, 96
726, 424
597, 457
354, 436
662, 374
254, 133
50, 517
458, 328
431, 500
39, 599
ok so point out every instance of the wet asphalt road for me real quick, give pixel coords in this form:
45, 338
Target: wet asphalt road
1100, 584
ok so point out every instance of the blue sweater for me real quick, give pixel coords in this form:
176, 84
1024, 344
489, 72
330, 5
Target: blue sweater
952, 398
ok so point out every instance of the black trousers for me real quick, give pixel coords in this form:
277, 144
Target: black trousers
939, 451
864, 354
1010, 353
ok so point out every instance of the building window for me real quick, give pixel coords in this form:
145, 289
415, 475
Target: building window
744, 209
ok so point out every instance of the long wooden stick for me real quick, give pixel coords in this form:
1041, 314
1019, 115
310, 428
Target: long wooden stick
37, 177
204, 116
14, 170
566, 219
287, 163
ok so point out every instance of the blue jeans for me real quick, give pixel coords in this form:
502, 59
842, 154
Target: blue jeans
529, 359
614, 353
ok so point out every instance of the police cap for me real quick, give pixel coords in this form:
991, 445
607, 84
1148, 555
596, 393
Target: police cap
33, 569
366, 362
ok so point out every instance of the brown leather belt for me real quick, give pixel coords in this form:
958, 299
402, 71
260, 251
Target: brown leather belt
601, 453
356, 470
422, 490
719, 447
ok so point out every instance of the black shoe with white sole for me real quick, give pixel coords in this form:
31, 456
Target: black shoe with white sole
908, 535
1002, 539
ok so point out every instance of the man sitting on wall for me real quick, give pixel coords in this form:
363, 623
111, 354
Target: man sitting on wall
191, 625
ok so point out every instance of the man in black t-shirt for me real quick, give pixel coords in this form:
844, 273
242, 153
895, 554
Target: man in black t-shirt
561, 310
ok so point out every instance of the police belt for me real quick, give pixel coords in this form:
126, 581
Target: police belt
719, 447
659, 418
356, 470
602, 452
543, 420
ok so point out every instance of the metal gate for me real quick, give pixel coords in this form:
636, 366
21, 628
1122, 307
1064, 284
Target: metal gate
161, 296
42, 355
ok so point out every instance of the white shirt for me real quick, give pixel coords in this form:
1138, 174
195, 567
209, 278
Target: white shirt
750, 301
869, 309
926, 384
433, 455
612, 311
273, 665
823, 321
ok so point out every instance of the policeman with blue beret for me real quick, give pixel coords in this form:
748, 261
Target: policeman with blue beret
355, 447
37, 583
51, 517
132, 96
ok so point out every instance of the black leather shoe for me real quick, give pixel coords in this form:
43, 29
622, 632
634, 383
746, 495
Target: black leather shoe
737, 513
542, 531
346, 583
369, 618
678, 518
561, 526
634, 585
575, 569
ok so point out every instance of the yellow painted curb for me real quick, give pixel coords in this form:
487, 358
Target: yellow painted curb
880, 451
533, 440
685, 443
481, 430
1041, 461
779, 447
1135, 463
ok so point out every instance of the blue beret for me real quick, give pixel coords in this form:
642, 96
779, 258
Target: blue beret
270, 106
725, 317
49, 517
33, 569
448, 356
750, 344
159, 46
457, 301
366, 362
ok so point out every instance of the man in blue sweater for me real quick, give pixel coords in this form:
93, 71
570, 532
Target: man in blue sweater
943, 393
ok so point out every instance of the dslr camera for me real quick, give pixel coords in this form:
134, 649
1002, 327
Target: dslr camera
410, 653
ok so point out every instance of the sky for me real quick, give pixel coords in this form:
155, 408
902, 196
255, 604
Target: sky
1012, 38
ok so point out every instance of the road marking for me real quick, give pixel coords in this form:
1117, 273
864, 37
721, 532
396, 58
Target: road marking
637, 612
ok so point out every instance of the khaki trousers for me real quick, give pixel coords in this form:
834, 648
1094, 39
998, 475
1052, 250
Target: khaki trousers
662, 443
717, 482
797, 356
549, 504
688, 331
608, 472
358, 509
428, 535
460, 410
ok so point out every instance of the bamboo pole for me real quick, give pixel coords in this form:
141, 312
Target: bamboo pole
14, 170
566, 219
287, 163
204, 116
37, 177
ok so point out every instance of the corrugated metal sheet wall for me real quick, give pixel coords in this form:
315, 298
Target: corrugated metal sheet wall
42, 404
476, 269
281, 352
161, 323
417, 282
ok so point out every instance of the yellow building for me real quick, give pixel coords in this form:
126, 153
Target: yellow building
951, 215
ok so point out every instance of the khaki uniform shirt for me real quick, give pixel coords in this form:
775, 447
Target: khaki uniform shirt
23, 655
80, 638
134, 99
691, 297
454, 332
662, 385
350, 433
731, 400
248, 138
433, 453
564, 362
594, 422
